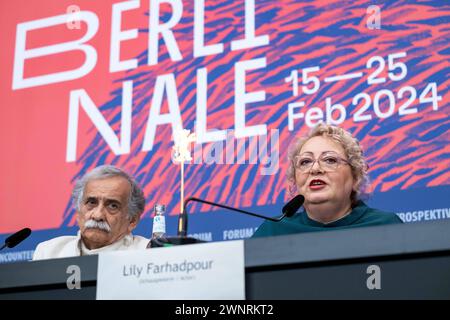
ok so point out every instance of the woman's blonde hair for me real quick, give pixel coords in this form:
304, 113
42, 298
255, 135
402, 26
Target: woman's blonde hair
353, 152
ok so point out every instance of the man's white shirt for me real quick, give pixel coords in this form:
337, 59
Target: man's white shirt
71, 246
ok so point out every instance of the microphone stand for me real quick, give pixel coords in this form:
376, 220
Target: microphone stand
277, 219
182, 237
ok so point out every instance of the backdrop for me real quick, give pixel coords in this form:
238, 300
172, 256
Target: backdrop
85, 83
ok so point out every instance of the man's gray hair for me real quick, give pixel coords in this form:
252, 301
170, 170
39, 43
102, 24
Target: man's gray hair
136, 200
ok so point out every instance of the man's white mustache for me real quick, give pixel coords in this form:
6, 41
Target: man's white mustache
93, 224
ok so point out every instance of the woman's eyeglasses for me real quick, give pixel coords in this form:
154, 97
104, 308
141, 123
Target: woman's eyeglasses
327, 161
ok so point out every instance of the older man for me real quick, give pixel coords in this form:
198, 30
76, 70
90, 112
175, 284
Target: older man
109, 204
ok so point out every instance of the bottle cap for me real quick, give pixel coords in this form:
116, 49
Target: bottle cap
159, 208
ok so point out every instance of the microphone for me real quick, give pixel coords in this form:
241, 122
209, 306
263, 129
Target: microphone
16, 238
293, 205
288, 210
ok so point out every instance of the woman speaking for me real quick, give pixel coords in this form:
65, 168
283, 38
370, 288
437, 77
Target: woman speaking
328, 168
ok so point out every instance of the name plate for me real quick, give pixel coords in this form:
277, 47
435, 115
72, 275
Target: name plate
213, 271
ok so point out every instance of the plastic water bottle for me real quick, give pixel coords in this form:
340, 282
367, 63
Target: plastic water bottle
159, 221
